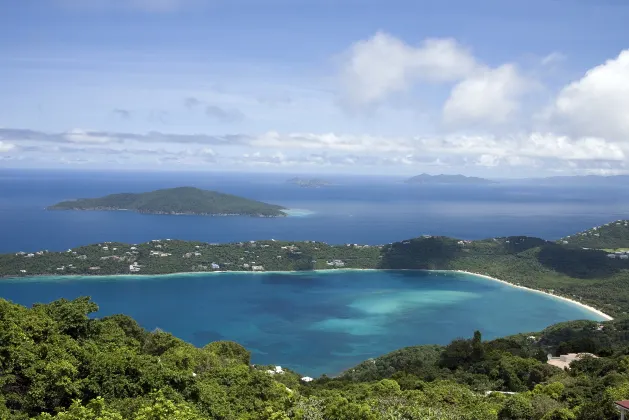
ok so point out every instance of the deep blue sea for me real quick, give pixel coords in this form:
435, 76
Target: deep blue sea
365, 210
314, 323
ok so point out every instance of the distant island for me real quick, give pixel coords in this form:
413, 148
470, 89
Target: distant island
309, 183
448, 179
181, 200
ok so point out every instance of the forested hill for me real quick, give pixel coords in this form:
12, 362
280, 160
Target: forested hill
182, 200
614, 235
59, 363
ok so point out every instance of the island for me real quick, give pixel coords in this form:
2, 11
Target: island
448, 179
177, 201
308, 183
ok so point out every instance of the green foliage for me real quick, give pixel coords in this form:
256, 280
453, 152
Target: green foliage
517, 407
182, 200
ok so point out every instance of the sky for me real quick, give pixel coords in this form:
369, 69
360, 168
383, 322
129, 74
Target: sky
493, 88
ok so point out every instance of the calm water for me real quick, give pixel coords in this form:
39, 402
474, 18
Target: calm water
312, 322
356, 210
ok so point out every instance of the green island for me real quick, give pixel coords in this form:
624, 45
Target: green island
58, 361
448, 179
181, 200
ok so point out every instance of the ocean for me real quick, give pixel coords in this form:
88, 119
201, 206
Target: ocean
313, 322
367, 210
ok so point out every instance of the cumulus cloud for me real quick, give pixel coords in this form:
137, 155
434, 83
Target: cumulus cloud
488, 96
382, 65
597, 104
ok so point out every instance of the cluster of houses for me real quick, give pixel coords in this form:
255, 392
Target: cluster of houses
336, 263
277, 370
623, 255
135, 267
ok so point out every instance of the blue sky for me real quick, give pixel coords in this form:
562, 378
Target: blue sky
492, 88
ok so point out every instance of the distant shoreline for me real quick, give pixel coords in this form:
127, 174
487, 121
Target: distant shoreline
333, 270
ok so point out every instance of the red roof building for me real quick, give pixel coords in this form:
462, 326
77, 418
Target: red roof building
623, 407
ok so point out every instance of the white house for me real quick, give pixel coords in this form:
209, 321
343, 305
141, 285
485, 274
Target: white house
307, 379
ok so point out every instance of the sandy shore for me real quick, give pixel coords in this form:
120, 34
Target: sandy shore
575, 302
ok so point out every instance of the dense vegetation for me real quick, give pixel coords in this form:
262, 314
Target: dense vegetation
58, 362
588, 275
448, 179
610, 236
182, 200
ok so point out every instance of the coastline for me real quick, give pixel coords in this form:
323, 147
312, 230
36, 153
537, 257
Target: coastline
327, 271
575, 302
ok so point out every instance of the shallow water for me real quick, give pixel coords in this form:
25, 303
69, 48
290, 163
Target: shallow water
314, 322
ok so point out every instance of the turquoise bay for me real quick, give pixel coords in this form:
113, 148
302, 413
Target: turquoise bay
312, 322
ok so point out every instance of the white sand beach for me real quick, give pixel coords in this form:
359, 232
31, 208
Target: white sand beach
589, 308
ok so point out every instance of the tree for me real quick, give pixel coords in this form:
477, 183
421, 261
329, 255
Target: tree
517, 407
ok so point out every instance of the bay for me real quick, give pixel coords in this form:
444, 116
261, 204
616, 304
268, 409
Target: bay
312, 322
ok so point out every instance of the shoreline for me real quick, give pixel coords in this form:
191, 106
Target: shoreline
572, 301
325, 271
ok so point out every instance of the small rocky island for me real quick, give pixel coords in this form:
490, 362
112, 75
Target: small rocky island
448, 179
309, 183
177, 201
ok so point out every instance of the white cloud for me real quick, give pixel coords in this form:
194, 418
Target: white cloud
553, 59
489, 96
382, 65
597, 104
82, 136
6, 147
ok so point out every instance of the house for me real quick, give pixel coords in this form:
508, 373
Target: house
257, 268
624, 257
623, 407
133, 248
564, 360
215, 266
23, 271
307, 379
30, 255
105, 248
20, 253
134, 268
612, 256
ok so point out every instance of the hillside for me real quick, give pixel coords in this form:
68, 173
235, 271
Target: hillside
60, 362
182, 200
610, 236
448, 179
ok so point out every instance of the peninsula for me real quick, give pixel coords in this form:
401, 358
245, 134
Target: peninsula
448, 179
586, 275
182, 200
